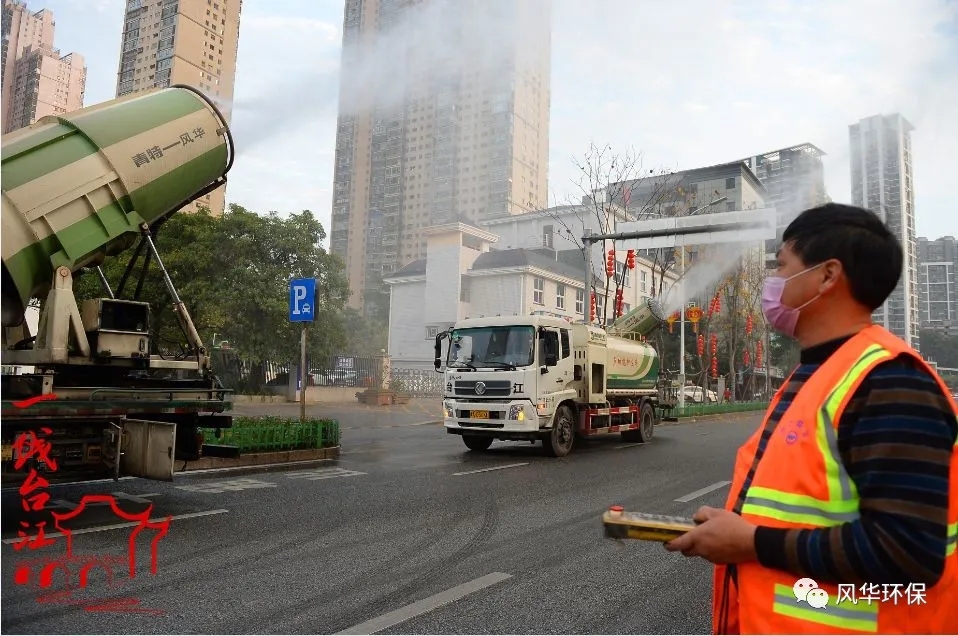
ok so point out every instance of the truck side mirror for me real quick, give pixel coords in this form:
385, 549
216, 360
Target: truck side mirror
437, 362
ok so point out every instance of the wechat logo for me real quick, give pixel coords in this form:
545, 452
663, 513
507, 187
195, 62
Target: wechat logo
807, 591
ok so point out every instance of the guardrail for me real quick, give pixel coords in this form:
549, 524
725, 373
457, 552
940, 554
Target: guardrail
694, 410
258, 434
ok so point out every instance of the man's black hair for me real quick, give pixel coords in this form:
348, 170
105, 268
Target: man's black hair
870, 254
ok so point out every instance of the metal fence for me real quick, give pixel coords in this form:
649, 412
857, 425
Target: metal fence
417, 382
717, 408
345, 370
275, 434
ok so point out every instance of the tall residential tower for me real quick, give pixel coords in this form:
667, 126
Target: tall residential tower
938, 283
191, 42
881, 170
795, 180
37, 80
443, 115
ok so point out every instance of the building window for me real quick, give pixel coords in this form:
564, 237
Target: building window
547, 232
730, 183
538, 290
579, 301
644, 279
560, 296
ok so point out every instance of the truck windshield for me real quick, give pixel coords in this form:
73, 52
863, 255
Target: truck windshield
511, 346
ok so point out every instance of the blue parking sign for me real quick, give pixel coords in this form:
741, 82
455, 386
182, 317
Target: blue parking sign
302, 300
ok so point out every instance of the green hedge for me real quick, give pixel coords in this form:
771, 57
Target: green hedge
252, 434
693, 410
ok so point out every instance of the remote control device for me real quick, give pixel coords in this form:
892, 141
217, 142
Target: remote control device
619, 524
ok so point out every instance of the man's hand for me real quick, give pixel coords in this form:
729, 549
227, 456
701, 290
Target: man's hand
721, 537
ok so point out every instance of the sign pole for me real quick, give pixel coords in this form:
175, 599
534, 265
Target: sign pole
302, 308
302, 375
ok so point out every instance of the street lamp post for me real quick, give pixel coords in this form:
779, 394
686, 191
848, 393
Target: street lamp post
682, 307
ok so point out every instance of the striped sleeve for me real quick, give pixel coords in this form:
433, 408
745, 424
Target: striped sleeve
896, 439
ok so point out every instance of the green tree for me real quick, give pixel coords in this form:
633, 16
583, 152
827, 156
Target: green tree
233, 274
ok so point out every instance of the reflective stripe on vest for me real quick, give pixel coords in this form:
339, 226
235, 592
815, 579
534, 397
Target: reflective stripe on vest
952, 539
847, 614
842, 504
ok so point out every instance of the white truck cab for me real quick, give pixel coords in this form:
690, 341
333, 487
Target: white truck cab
504, 377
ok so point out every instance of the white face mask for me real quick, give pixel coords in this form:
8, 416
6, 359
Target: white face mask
781, 317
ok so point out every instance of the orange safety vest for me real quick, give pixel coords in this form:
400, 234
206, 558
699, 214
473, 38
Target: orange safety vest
801, 483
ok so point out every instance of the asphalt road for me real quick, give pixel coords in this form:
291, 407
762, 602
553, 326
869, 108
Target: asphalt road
407, 533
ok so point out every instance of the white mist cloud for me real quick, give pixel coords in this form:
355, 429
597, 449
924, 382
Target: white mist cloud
772, 75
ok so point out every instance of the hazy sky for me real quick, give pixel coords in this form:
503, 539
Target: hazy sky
688, 83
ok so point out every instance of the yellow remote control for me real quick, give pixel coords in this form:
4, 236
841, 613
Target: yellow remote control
619, 524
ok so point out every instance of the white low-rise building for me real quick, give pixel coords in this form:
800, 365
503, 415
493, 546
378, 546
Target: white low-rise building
469, 273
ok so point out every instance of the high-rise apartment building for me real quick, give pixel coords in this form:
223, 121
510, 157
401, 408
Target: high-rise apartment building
37, 80
881, 171
443, 116
192, 42
938, 282
795, 180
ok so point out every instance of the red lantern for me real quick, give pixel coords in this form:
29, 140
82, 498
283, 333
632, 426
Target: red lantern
694, 314
748, 325
718, 303
747, 358
714, 344
592, 308
610, 264
630, 259
714, 366
758, 353
701, 345
672, 320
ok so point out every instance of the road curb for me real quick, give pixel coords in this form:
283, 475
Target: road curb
262, 459
695, 419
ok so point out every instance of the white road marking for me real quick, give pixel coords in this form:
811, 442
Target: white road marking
255, 467
621, 446
323, 473
63, 504
117, 526
72, 483
218, 487
486, 470
426, 605
702, 491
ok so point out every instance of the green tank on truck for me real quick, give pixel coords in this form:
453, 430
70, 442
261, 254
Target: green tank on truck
631, 365
78, 188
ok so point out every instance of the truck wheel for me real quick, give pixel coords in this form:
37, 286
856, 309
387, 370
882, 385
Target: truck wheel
477, 442
646, 426
646, 422
560, 439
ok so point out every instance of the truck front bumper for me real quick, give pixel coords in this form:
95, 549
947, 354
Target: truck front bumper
492, 418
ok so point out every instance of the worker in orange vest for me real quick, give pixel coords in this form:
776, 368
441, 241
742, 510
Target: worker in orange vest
843, 511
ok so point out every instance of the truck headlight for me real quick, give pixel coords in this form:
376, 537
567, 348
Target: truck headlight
516, 412
447, 411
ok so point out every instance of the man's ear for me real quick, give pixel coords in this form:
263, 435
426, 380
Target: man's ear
832, 273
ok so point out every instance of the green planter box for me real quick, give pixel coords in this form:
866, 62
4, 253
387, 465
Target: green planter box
261, 434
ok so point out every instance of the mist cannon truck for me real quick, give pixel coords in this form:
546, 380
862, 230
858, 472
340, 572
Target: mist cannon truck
531, 378
78, 188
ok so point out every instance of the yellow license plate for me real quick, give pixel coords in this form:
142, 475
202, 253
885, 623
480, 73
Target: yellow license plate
480, 415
